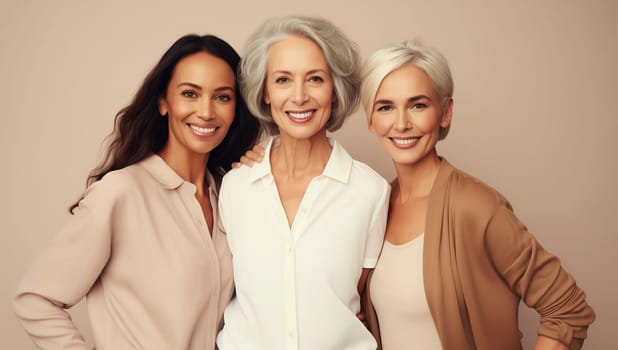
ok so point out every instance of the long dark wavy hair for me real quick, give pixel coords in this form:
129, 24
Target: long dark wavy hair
139, 129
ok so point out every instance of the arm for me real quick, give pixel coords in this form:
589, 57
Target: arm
362, 282
545, 343
537, 276
62, 276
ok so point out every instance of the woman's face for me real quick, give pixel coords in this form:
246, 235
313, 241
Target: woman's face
299, 88
199, 103
407, 115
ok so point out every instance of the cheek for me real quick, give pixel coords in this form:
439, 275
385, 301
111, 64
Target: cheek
227, 112
177, 108
427, 123
328, 96
379, 125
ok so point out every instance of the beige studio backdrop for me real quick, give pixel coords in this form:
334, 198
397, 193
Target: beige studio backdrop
535, 101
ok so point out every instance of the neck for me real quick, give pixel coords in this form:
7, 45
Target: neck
416, 180
190, 167
300, 157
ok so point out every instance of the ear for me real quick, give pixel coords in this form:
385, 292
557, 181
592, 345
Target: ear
266, 97
162, 106
447, 116
370, 124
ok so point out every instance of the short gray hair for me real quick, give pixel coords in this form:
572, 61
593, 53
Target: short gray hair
340, 52
386, 60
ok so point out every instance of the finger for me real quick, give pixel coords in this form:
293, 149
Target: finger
259, 150
254, 156
246, 160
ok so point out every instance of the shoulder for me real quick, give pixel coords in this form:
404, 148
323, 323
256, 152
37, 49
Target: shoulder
472, 196
237, 176
367, 172
124, 179
362, 174
118, 185
356, 171
236, 182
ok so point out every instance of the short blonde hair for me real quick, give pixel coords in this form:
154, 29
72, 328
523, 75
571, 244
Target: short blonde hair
386, 60
340, 52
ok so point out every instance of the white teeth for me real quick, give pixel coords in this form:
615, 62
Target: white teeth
304, 115
404, 142
202, 130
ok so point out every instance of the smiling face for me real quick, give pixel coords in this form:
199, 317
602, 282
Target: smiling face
299, 88
199, 103
407, 116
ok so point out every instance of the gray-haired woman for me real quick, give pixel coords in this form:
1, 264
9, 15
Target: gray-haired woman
305, 225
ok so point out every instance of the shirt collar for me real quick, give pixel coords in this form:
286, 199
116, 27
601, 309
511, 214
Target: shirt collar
259, 170
167, 177
338, 167
339, 164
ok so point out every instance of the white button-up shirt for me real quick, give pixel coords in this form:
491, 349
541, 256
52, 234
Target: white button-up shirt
296, 287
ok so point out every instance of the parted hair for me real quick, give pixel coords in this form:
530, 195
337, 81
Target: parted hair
340, 52
388, 59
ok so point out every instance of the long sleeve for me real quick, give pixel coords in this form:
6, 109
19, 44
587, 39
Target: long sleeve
64, 274
537, 276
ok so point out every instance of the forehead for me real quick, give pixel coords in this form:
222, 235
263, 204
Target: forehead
296, 52
408, 80
203, 66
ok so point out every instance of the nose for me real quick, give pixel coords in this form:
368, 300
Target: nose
299, 93
403, 120
205, 109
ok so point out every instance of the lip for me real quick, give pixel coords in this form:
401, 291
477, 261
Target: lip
300, 117
405, 142
203, 130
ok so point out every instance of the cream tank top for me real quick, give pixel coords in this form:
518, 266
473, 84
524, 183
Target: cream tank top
398, 295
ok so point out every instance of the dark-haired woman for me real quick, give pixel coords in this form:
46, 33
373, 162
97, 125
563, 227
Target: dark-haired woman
143, 243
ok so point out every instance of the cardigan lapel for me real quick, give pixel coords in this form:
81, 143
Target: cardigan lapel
443, 287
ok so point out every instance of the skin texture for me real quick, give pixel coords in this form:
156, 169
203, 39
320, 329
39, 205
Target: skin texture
200, 105
299, 90
406, 118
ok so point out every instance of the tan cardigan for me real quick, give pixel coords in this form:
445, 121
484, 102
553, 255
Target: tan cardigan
479, 261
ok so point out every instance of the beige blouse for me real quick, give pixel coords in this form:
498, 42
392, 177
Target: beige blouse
139, 249
400, 303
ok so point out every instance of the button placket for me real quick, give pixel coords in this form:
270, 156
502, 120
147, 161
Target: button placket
290, 297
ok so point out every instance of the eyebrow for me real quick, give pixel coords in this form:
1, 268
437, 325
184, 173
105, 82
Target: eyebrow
313, 71
197, 87
411, 99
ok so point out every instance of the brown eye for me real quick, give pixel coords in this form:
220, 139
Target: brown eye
189, 94
223, 98
316, 79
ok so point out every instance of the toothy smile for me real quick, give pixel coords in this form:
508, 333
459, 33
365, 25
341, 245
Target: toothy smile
300, 115
405, 142
202, 130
